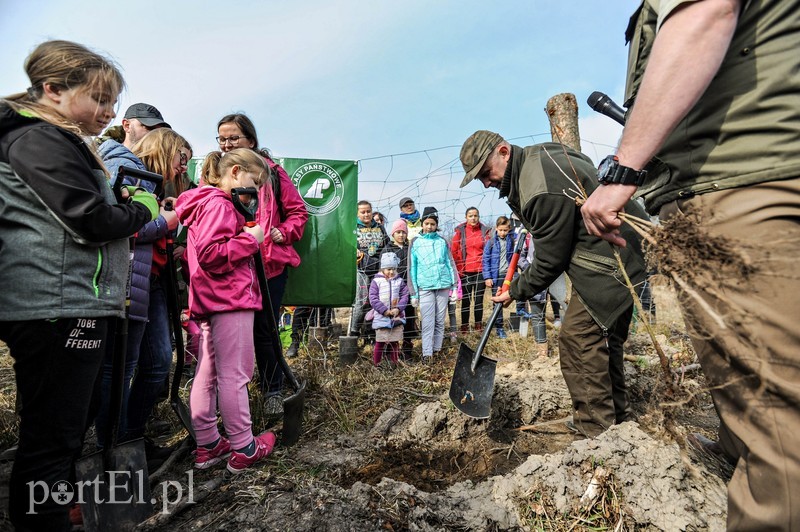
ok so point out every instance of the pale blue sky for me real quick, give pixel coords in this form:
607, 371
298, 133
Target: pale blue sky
351, 79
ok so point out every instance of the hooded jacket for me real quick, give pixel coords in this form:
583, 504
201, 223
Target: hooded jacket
116, 156
63, 237
430, 265
219, 253
491, 257
535, 188
286, 212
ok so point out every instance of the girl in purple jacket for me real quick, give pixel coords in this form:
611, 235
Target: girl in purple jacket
223, 297
388, 297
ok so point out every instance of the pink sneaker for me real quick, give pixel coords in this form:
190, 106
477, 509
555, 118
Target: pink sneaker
238, 462
205, 458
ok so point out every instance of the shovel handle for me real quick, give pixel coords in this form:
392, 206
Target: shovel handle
249, 216
498, 308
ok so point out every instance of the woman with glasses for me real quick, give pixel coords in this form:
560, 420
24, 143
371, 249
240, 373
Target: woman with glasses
283, 216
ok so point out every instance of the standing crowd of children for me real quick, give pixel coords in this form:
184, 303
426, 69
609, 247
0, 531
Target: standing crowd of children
414, 258
71, 252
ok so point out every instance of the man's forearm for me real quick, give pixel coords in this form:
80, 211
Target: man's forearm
686, 55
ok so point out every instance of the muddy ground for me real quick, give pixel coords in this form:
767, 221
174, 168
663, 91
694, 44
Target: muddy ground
385, 449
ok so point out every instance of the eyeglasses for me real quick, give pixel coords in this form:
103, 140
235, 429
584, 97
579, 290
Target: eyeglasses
233, 139
184, 159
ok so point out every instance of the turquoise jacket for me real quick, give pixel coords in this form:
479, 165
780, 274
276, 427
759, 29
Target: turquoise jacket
430, 265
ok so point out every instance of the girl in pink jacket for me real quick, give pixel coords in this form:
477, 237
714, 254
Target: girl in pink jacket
223, 296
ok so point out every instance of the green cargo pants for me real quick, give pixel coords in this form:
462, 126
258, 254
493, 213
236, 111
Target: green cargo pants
591, 363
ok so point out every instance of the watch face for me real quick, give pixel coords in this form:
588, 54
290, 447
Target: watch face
606, 167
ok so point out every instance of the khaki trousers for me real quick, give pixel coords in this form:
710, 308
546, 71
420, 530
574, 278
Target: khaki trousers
753, 363
592, 367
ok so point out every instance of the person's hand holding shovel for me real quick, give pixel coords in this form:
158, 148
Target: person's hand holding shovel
504, 298
254, 230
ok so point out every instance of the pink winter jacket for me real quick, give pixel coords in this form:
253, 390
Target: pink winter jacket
220, 255
277, 256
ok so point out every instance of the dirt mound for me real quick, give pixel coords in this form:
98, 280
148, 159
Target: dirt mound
387, 450
654, 487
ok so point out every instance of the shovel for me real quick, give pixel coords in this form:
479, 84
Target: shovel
115, 489
473, 377
292, 405
178, 406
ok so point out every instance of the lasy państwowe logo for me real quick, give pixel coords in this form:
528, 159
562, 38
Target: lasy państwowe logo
320, 186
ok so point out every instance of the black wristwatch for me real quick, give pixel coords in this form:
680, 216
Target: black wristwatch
611, 172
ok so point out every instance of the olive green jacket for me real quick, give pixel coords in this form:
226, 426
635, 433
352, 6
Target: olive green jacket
539, 190
745, 129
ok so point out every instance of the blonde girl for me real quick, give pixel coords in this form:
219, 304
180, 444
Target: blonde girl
223, 297
63, 262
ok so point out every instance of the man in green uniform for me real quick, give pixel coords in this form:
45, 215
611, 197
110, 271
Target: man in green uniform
714, 93
538, 182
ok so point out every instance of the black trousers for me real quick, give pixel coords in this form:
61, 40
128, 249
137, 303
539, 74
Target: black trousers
473, 291
270, 374
305, 317
56, 363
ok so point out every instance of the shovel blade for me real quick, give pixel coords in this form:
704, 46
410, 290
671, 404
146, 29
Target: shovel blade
184, 415
472, 392
114, 488
293, 416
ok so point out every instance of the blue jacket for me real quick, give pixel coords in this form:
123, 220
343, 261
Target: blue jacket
491, 257
430, 265
115, 156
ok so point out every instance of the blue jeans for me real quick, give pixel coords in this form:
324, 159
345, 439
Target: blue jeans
155, 359
135, 334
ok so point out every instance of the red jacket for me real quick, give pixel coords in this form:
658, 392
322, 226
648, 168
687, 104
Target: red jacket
467, 247
290, 220
220, 254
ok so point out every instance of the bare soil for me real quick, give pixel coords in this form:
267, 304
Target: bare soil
385, 449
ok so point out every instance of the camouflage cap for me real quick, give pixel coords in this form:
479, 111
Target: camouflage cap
475, 151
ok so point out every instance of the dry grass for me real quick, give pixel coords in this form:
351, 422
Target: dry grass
603, 510
9, 421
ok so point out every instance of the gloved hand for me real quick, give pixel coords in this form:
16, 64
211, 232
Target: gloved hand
140, 195
453, 295
415, 302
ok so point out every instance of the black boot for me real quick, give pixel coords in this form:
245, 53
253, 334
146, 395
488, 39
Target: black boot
291, 352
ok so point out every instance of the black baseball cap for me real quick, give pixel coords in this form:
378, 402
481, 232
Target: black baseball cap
146, 114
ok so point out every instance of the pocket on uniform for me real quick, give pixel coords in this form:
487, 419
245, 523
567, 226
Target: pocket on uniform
594, 262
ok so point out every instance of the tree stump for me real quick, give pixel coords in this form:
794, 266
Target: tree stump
562, 110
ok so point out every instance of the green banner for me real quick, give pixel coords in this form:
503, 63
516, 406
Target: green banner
194, 167
326, 276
